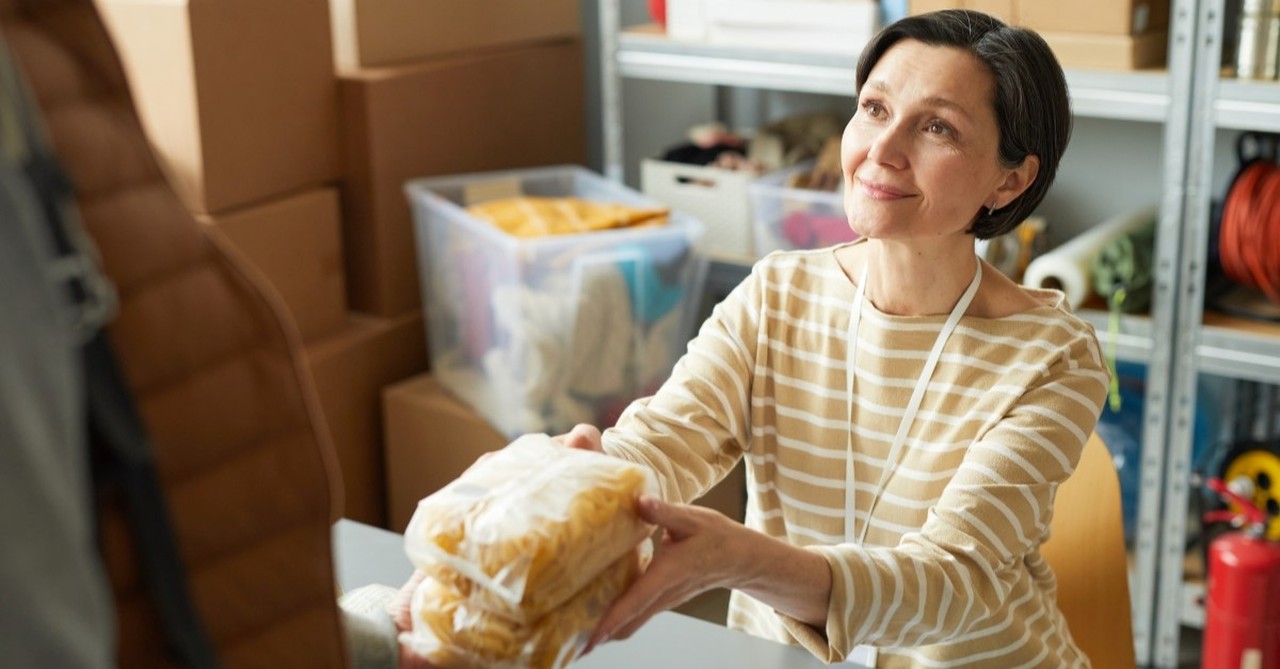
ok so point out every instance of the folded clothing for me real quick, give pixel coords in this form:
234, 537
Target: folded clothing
528, 216
527, 527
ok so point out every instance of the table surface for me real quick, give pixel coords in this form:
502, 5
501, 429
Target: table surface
366, 555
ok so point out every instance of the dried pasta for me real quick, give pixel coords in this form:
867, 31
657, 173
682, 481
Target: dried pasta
451, 632
526, 528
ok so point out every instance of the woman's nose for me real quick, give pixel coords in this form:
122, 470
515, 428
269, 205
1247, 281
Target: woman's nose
888, 146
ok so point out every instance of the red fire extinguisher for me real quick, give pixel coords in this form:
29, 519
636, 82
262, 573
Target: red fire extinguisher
1242, 598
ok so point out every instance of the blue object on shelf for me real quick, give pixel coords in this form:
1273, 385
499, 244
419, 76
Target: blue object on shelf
1122, 432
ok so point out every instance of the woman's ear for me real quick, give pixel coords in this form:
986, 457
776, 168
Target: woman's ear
1017, 181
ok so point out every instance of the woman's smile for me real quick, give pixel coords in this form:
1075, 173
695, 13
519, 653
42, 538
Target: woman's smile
881, 191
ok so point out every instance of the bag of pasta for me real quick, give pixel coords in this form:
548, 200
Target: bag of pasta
449, 631
525, 528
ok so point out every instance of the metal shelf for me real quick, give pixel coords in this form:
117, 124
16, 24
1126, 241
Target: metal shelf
644, 52
1239, 349
1247, 105
1133, 342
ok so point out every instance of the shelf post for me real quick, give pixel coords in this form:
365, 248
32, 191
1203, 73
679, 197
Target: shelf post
610, 91
1189, 297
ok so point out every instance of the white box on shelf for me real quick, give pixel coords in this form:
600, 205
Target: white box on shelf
540, 334
829, 26
687, 20
717, 197
796, 218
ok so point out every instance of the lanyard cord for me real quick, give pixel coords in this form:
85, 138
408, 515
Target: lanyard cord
913, 406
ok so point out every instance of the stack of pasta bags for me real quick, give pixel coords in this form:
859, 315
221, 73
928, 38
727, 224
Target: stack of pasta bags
523, 553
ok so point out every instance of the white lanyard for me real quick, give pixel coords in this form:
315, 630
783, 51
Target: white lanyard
913, 406
867, 655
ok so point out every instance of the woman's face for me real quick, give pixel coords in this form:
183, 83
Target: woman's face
920, 153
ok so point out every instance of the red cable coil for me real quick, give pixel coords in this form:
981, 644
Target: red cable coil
1249, 238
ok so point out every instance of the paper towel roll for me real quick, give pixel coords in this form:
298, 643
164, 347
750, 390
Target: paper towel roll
1067, 267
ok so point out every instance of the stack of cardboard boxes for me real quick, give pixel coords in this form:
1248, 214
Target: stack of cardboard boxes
290, 127
1088, 34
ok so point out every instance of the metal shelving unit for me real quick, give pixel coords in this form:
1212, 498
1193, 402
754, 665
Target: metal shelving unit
1190, 104
1206, 343
1247, 105
1237, 350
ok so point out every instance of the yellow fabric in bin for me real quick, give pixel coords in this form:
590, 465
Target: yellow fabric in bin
525, 528
450, 631
543, 216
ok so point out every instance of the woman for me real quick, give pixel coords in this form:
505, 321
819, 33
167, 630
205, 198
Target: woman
906, 412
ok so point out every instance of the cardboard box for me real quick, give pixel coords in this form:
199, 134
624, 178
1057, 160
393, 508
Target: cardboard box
512, 108
1005, 10
1109, 52
350, 369
385, 32
237, 96
915, 7
431, 438
296, 243
1111, 17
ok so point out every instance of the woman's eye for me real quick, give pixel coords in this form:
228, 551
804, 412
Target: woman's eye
938, 128
872, 108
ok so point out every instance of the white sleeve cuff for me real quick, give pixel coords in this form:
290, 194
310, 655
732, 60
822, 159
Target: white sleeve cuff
370, 634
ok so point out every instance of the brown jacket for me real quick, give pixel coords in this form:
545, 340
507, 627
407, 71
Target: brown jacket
215, 365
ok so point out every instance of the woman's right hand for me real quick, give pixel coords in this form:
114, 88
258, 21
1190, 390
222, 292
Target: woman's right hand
583, 437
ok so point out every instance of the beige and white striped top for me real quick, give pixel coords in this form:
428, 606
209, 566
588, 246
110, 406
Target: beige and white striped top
950, 574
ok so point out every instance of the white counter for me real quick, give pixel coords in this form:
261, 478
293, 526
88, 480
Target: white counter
670, 640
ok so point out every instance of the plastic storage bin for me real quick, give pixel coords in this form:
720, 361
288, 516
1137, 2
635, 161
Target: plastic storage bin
796, 218
540, 334
716, 197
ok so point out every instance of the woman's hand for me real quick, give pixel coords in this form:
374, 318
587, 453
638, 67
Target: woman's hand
582, 437
700, 549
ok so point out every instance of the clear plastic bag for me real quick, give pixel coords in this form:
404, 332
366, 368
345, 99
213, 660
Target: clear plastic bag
524, 552
450, 631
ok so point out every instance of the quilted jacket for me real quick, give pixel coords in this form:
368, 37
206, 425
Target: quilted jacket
215, 365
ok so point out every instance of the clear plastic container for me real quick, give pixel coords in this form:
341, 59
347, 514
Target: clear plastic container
540, 334
796, 218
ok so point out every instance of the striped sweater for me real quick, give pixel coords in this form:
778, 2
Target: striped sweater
950, 574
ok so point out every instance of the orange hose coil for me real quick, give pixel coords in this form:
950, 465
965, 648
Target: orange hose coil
1249, 238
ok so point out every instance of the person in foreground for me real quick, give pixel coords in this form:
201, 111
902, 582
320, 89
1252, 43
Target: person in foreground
906, 412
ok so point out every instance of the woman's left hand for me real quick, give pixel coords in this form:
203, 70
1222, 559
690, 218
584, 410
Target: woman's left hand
699, 547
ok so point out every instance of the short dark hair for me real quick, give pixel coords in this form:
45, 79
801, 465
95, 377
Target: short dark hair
1033, 108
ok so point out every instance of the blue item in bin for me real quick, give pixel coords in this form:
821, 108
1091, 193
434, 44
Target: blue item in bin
651, 296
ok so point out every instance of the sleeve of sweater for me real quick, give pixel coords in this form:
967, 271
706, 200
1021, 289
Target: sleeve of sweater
961, 565
370, 635
694, 429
